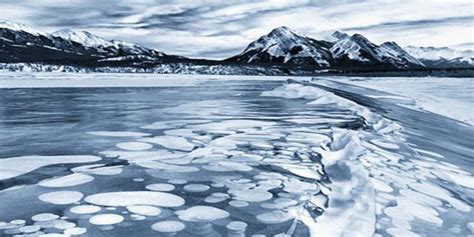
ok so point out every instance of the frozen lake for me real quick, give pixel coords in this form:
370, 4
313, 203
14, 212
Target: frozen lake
114, 154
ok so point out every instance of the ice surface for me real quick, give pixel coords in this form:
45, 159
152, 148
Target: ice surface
331, 166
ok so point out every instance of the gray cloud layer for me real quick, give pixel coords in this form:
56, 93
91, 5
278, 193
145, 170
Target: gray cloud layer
218, 29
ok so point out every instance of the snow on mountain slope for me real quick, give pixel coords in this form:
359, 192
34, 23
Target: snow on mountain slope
83, 37
443, 57
393, 50
359, 48
433, 53
283, 45
336, 36
351, 49
20, 27
90, 40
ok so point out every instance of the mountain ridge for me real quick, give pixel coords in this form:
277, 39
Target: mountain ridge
282, 47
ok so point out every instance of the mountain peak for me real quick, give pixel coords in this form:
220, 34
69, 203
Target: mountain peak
283, 45
83, 37
339, 35
282, 32
359, 38
19, 27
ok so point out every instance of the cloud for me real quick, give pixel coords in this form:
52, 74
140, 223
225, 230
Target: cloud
219, 29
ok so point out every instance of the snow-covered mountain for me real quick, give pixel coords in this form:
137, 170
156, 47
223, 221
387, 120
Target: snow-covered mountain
358, 48
19, 27
20, 43
283, 45
282, 49
436, 53
442, 56
120, 48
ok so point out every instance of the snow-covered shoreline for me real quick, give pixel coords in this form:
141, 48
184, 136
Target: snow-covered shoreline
450, 97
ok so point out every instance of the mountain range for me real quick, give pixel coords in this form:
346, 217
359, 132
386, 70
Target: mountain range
282, 48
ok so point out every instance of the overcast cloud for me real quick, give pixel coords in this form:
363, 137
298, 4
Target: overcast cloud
218, 29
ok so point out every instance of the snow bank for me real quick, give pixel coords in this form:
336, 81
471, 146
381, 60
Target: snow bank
450, 97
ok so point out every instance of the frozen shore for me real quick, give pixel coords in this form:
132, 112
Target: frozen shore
450, 97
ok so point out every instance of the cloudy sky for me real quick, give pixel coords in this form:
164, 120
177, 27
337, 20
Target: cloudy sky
218, 29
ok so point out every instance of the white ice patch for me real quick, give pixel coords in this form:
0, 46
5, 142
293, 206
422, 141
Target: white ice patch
160, 187
239, 204
85, 209
137, 156
227, 166
44, 217
29, 229
202, 214
196, 188
16, 166
171, 142
129, 198
75, 231
61, 197
274, 217
106, 219
144, 210
66, 181
250, 195
108, 170
155, 165
168, 226
134, 146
